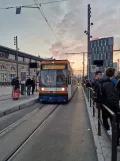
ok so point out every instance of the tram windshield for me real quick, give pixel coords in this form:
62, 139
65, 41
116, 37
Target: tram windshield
53, 78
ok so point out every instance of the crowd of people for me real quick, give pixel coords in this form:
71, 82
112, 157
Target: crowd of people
106, 91
30, 83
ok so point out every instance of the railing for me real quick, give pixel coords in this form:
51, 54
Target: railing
114, 141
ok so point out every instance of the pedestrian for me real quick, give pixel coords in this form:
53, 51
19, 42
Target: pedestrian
13, 85
28, 85
88, 83
95, 84
16, 85
33, 85
118, 85
109, 97
16, 88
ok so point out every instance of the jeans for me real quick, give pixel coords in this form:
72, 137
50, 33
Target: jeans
28, 90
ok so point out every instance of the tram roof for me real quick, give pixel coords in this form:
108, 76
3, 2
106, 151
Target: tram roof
55, 61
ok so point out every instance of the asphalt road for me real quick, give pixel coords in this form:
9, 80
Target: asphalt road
65, 136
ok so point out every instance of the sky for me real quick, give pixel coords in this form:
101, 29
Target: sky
67, 19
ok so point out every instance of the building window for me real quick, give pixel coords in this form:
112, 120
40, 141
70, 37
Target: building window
27, 60
2, 54
106, 48
101, 56
104, 55
101, 42
20, 58
32, 60
2, 67
2, 77
12, 68
11, 56
12, 76
95, 44
91, 44
97, 56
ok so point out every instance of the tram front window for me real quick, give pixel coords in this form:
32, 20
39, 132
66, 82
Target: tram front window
53, 78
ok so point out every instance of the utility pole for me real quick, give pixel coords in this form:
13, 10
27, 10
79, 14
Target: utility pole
88, 40
16, 44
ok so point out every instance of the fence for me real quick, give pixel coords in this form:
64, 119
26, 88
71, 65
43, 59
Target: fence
114, 141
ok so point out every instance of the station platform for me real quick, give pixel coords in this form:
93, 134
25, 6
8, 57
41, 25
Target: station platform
8, 105
5, 90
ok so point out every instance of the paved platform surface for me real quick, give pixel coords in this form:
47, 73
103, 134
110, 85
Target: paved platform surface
5, 90
8, 103
102, 143
65, 136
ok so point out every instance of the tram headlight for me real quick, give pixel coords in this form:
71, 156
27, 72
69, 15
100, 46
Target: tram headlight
42, 89
63, 89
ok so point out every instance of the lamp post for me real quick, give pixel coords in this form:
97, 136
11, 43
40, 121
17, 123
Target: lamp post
16, 44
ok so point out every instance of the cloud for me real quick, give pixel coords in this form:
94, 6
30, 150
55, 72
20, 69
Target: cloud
70, 29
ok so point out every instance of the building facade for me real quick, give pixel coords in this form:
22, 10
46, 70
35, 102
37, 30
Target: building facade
8, 64
102, 51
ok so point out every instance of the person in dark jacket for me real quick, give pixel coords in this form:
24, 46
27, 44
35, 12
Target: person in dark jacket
109, 97
33, 85
28, 85
118, 85
95, 84
15, 84
88, 84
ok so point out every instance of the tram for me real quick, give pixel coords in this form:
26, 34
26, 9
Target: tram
57, 82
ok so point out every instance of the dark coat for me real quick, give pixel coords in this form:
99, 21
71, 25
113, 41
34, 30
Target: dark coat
110, 96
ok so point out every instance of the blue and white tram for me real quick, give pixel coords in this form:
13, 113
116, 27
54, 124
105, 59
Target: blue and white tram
57, 82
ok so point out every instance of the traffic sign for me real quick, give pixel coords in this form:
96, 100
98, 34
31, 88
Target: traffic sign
93, 68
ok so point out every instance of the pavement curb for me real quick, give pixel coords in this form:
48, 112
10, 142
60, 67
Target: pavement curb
99, 152
18, 107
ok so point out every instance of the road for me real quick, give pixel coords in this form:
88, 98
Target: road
65, 136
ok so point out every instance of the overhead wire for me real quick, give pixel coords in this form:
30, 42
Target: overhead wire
31, 5
37, 5
42, 13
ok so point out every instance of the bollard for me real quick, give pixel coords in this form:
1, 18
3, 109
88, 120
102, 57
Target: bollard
114, 139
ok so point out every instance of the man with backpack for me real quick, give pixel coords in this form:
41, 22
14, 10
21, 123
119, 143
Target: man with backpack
108, 96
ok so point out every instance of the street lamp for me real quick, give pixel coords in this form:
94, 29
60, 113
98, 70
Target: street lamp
16, 44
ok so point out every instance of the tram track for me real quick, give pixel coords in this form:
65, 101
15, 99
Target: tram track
15, 149
16, 123
5, 97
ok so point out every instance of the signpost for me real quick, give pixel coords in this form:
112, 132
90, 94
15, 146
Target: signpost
93, 68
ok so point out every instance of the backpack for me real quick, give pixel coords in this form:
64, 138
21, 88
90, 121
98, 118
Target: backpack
99, 93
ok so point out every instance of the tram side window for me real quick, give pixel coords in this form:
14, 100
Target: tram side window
69, 78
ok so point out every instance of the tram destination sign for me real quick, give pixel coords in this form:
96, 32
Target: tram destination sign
53, 66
